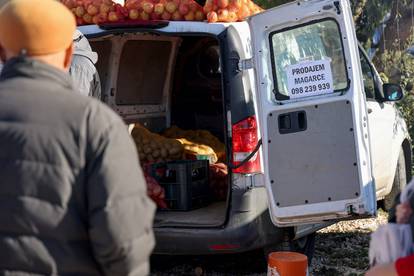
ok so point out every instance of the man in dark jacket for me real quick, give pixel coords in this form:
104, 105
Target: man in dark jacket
82, 70
72, 195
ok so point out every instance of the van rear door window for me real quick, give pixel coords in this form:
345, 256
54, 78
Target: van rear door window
308, 60
143, 72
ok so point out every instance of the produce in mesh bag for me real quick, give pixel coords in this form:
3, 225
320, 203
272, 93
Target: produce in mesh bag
139, 9
193, 150
96, 11
219, 181
202, 137
229, 10
154, 190
177, 10
153, 147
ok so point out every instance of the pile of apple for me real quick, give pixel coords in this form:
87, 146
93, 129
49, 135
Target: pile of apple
101, 11
177, 10
230, 10
96, 11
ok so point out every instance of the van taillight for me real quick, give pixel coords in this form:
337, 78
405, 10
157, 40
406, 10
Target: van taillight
245, 140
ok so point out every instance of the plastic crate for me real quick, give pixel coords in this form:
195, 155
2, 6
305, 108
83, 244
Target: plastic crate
186, 183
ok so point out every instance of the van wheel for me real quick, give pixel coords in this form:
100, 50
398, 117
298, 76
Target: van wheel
400, 181
304, 245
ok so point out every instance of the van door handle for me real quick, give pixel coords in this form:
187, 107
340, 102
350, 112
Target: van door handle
292, 122
370, 110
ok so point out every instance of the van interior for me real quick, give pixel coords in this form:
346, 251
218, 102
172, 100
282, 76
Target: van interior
160, 81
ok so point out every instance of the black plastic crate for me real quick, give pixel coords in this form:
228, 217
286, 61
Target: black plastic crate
185, 183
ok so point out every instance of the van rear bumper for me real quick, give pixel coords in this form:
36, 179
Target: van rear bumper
249, 227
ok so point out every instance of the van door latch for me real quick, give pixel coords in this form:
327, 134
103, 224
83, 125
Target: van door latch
245, 64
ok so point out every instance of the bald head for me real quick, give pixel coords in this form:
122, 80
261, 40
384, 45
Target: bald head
40, 29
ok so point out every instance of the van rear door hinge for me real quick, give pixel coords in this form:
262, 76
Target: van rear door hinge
338, 7
245, 64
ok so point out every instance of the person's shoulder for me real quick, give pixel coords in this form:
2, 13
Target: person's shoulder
101, 116
80, 61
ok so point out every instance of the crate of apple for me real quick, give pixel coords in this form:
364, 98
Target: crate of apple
177, 10
96, 11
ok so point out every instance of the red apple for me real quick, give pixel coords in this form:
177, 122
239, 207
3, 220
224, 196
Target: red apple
171, 7
103, 16
159, 8
212, 17
208, 6
183, 9
193, 6
166, 15
148, 7
95, 19
237, 3
222, 4
199, 16
223, 15
176, 16
232, 8
93, 10
243, 12
134, 14
96, 3
113, 16
70, 4
104, 8
232, 17
132, 4
87, 18
189, 16
144, 16
80, 11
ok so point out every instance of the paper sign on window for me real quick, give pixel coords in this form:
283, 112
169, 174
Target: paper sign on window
309, 79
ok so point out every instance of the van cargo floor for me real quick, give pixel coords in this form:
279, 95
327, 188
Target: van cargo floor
212, 215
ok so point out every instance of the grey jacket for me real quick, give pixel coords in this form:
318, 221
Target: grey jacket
72, 195
84, 74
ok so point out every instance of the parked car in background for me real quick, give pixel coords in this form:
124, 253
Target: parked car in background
390, 140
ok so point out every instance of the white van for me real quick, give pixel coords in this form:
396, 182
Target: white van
285, 92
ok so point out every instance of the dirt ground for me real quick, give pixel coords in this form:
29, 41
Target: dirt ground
341, 249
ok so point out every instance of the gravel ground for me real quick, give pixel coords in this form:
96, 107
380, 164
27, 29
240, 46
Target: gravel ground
341, 249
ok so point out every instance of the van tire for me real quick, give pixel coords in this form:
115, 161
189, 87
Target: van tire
304, 245
400, 181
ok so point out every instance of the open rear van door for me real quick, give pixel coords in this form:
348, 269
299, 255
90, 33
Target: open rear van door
313, 117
